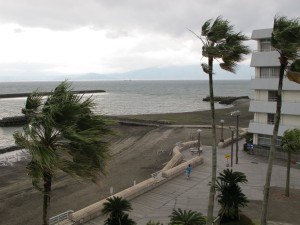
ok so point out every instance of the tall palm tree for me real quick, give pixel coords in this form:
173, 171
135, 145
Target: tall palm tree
116, 207
183, 217
290, 144
230, 194
286, 40
221, 43
63, 134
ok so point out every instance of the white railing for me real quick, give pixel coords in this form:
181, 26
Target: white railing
63, 216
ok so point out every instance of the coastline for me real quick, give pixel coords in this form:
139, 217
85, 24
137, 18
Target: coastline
138, 151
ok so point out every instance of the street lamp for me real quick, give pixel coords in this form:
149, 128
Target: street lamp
222, 123
231, 151
237, 114
199, 143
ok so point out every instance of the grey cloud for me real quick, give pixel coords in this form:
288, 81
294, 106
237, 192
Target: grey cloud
168, 16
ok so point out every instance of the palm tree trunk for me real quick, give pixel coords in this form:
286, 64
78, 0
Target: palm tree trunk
46, 200
288, 171
283, 63
212, 192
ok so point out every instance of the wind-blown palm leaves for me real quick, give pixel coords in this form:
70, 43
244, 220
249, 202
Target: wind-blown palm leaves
220, 43
230, 194
286, 40
63, 134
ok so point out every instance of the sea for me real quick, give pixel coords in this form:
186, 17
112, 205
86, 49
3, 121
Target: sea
127, 97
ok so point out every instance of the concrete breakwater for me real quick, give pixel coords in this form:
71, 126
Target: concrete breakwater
9, 148
13, 121
18, 95
226, 100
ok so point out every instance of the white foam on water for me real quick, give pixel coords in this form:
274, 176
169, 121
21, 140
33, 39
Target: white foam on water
9, 158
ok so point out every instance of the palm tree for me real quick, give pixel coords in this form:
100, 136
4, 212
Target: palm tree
286, 41
179, 217
220, 42
230, 194
290, 144
116, 207
62, 133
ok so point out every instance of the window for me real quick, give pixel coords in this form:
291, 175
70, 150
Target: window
269, 72
271, 118
265, 140
265, 45
272, 96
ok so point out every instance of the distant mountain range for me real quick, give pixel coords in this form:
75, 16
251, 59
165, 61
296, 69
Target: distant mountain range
191, 72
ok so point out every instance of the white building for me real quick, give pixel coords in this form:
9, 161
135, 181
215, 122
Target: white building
265, 85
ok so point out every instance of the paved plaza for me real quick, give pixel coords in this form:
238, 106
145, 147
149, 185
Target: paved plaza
192, 194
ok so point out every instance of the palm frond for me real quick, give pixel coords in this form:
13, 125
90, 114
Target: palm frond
206, 27
205, 68
33, 102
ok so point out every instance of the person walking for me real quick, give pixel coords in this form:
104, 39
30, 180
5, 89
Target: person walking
188, 171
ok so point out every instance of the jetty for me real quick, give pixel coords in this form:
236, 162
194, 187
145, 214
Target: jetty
13, 121
19, 95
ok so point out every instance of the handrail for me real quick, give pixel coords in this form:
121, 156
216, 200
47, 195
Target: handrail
60, 217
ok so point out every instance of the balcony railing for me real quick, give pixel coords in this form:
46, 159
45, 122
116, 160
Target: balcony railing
264, 50
271, 99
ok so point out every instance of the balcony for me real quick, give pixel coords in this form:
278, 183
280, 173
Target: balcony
272, 84
264, 59
288, 108
264, 128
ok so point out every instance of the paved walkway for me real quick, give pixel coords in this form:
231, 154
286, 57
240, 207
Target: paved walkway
192, 194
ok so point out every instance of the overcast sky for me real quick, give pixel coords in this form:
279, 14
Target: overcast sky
49, 37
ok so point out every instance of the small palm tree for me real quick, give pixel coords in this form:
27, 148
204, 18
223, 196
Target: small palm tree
290, 144
221, 43
230, 195
286, 40
179, 217
116, 207
62, 133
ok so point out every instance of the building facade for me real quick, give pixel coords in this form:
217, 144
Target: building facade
265, 86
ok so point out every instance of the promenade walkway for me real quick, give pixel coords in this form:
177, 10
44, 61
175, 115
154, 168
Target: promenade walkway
192, 194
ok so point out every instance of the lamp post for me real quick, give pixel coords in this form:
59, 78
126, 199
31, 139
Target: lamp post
222, 123
237, 114
199, 143
231, 151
